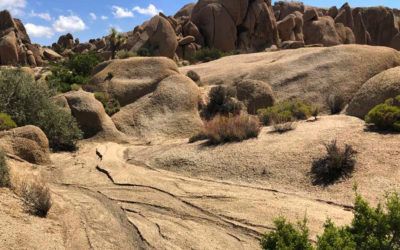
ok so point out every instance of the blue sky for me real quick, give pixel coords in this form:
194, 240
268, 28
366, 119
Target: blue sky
46, 20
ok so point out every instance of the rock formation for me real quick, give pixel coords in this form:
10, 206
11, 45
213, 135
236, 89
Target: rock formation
16, 47
156, 99
29, 143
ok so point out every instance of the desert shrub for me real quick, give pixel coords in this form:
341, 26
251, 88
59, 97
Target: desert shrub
83, 64
29, 103
386, 116
208, 54
4, 171
6, 122
124, 54
286, 111
77, 70
282, 127
37, 197
229, 129
287, 236
193, 75
371, 229
338, 162
222, 101
143, 52
75, 87
111, 105
336, 104
110, 75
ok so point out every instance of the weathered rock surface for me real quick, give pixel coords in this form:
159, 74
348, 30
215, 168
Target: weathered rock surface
375, 91
90, 115
255, 94
29, 143
156, 99
309, 73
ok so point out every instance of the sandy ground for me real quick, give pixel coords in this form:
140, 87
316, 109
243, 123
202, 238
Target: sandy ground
176, 195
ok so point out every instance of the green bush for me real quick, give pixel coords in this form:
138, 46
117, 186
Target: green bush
386, 116
124, 54
29, 103
111, 105
371, 229
82, 65
208, 54
74, 71
338, 162
287, 236
6, 122
286, 111
4, 171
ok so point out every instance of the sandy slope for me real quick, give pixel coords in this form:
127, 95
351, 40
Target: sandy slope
176, 195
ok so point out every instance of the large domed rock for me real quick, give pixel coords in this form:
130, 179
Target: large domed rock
157, 36
284, 8
375, 91
29, 143
312, 74
156, 98
319, 30
8, 49
185, 10
90, 115
255, 94
216, 24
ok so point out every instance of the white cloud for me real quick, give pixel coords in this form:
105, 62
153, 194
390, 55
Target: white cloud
93, 16
39, 31
120, 12
151, 10
5, 4
69, 23
44, 16
116, 27
104, 17
14, 6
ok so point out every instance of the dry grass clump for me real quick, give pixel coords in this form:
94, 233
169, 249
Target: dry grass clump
35, 194
223, 129
339, 162
336, 104
283, 127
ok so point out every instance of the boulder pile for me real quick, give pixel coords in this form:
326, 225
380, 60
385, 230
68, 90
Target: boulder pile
16, 47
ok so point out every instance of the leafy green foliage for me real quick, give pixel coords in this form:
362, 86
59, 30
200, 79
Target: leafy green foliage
386, 116
287, 237
223, 102
75, 71
338, 162
29, 103
371, 229
4, 171
284, 112
111, 105
6, 122
208, 54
